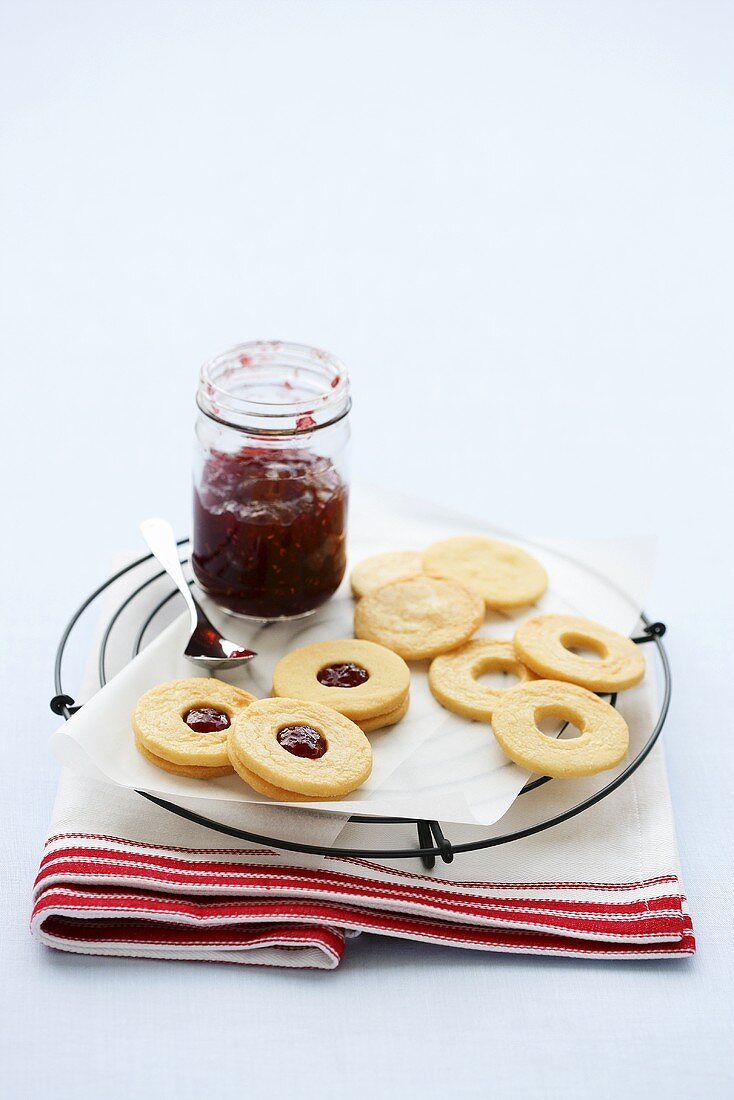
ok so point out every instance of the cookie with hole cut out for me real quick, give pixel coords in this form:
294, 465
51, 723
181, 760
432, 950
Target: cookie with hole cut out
362, 680
545, 642
452, 677
603, 739
182, 726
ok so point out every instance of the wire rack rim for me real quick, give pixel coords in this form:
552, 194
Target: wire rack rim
432, 843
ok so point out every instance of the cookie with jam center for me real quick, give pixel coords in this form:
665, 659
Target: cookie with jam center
304, 748
183, 724
362, 680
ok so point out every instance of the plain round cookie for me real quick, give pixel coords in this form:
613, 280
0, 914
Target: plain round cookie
452, 677
295, 677
603, 739
253, 744
542, 643
188, 770
159, 726
502, 574
372, 573
419, 617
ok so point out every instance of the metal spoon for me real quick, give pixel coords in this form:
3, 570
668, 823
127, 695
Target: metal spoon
206, 646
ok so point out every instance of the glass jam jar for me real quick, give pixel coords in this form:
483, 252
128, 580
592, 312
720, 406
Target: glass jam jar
270, 479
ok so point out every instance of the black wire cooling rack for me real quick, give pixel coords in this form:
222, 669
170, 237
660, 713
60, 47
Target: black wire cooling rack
432, 842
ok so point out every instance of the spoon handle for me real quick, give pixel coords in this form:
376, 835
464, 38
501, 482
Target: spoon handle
161, 541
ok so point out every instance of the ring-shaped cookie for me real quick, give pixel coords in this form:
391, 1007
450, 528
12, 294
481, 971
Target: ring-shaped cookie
419, 617
253, 746
159, 727
296, 677
544, 643
505, 576
372, 573
452, 677
602, 743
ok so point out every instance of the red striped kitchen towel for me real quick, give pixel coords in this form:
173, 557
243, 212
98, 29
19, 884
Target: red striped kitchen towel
120, 876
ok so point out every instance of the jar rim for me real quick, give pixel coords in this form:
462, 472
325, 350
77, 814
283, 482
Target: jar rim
274, 386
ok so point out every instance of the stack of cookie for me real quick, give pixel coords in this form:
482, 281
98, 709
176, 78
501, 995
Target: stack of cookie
287, 749
365, 682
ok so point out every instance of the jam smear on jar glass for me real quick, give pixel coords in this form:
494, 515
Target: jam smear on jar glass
270, 479
303, 741
269, 531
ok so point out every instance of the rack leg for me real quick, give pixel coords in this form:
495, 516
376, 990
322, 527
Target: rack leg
425, 840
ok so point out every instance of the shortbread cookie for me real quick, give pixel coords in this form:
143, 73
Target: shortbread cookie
544, 644
419, 617
300, 747
380, 569
603, 739
361, 680
453, 676
502, 574
279, 794
185, 723
190, 771
380, 721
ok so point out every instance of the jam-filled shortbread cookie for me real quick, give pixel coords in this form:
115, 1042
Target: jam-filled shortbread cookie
419, 617
545, 642
182, 726
603, 739
304, 749
380, 569
363, 681
503, 575
453, 676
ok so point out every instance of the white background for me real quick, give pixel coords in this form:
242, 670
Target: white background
514, 223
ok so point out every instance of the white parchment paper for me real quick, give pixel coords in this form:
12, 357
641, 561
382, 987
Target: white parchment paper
432, 764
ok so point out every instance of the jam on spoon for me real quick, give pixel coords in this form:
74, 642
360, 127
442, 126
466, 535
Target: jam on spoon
206, 720
303, 741
347, 675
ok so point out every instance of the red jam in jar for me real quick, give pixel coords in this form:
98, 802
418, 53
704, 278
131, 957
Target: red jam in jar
270, 487
269, 531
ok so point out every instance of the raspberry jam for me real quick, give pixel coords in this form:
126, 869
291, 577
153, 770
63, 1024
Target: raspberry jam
269, 531
343, 676
206, 720
302, 741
